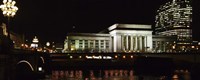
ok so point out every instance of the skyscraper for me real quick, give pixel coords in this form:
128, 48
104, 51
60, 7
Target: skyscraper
174, 19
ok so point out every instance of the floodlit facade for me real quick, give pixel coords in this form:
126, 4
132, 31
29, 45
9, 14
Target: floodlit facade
131, 37
87, 42
174, 19
121, 38
163, 43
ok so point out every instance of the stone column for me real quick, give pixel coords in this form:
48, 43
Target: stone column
122, 41
114, 43
117, 43
136, 43
110, 45
76, 44
145, 43
131, 43
127, 43
164, 47
140, 43
99, 45
104, 45
89, 44
119, 38
160, 45
93, 44
156, 47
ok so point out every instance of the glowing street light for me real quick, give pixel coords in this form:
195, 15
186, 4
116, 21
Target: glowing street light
8, 7
48, 44
9, 10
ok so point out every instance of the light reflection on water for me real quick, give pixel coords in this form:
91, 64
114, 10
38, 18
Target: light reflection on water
114, 75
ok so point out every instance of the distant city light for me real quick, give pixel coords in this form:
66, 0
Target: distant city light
35, 40
124, 56
173, 47
131, 56
98, 57
39, 68
193, 46
34, 45
116, 56
48, 44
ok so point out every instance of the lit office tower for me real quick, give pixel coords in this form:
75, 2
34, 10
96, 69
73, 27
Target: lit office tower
174, 19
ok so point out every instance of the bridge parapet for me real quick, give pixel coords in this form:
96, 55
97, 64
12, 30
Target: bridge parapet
188, 57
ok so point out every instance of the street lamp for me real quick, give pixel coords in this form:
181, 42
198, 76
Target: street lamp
9, 10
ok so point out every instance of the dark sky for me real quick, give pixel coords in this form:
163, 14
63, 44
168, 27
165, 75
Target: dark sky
51, 20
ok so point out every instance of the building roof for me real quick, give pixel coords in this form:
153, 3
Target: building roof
88, 34
130, 27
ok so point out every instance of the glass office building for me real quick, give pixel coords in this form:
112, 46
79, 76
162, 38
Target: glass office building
174, 19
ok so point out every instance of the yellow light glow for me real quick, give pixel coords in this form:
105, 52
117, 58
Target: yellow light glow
48, 44
131, 56
124, 56
39, 68
116, 56
173, 47
9, 0
4, 12
175, 76
72, 49
4, 1
13, 14
13, 3
8, 8
193, 47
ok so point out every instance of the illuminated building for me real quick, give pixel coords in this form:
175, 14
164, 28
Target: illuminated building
34, 43
121, 38
131, 37
174, 19
87, 42
163, 43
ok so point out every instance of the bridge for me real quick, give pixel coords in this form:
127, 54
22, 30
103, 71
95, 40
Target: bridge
39, 63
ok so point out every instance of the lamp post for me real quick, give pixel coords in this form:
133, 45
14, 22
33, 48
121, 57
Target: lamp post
9, 10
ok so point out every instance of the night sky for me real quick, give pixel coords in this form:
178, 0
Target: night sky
51, 20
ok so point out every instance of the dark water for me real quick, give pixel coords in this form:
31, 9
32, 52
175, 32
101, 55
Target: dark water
113, 75
142, 69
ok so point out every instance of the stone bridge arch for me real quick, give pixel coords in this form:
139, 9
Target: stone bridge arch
25, 71
26, 62
42, 59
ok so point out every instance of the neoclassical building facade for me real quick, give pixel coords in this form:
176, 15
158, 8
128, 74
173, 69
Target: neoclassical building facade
131, 37
120, 38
